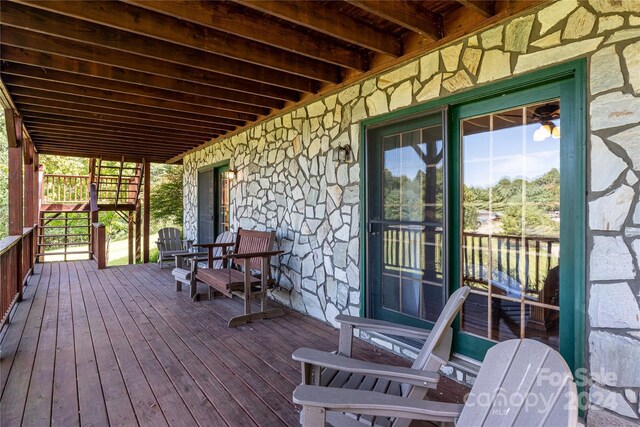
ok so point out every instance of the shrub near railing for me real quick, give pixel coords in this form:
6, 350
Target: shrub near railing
17, 254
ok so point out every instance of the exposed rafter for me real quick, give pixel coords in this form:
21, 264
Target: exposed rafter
408, 14
223, 16
327, 22
486, 8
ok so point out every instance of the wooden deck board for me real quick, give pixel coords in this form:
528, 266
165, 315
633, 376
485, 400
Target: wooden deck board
121, 347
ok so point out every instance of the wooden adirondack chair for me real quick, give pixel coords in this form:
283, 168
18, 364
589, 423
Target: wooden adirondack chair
251, 253
182, 272
520, 383
169, 244
341, 371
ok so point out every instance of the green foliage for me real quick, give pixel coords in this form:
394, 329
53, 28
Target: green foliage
166, 195
534, 222
64, 165
470, 218
4, 178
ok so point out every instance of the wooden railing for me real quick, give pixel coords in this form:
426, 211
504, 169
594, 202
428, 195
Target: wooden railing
527, 260
65, 189
17, 257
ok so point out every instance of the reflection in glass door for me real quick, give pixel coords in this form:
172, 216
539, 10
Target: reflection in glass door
511, 222
222, 200
405, 219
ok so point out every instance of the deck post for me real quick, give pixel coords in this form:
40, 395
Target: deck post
130, 236
16, 207
147, 216
29, 217
138, 227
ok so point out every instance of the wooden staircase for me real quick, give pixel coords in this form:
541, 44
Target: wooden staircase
66, 213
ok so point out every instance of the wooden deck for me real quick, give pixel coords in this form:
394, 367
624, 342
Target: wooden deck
120, 347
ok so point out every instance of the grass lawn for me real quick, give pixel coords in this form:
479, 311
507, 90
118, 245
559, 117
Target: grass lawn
119, 252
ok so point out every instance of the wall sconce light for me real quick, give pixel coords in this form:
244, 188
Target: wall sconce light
231, 173
344, 154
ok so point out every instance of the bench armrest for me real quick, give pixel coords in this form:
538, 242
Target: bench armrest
252, 255
313, 398
393, 373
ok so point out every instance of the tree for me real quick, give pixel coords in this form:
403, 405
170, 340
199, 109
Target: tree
535, 222
166, 195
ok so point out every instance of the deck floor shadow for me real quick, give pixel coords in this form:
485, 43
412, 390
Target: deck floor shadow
120, 347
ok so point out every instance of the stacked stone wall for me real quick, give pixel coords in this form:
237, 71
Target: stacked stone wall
289, 180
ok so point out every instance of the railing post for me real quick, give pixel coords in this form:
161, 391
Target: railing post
99, 247
16, 209
146, 202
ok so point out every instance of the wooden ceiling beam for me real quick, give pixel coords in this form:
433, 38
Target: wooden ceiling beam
117, 116
85, 154
42, 123
105, 155
340, 26
25, 39
131, 147
407, 14
486, 8
60, 150
127, 88
257, 27
131, 102
36, 124
101, 147
149, 141
119, 25
111, 109
92, 69
44, 115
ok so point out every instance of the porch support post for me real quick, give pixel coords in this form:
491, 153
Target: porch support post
14, 137
29, 217
138, 227
130, 235
147, 214
16, 208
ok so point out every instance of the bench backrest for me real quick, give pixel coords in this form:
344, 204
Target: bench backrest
252, 241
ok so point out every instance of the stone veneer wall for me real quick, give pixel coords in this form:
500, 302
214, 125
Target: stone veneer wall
288, 179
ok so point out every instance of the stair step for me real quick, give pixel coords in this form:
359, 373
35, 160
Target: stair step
63, 253
64, 244
64, 226
46, 236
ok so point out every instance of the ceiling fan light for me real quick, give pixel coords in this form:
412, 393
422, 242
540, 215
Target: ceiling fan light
541, 134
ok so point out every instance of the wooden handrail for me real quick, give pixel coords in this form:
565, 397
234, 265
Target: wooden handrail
57, 188
17, 257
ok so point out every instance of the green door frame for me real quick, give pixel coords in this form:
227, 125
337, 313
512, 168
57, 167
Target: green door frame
573, 195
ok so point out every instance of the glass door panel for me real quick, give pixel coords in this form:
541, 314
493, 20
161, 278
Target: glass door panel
405, 274
510, 248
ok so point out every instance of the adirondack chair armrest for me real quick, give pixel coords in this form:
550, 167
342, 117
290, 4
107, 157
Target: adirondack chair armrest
317, 358
253, 255
317, 400
182, 260
349, 323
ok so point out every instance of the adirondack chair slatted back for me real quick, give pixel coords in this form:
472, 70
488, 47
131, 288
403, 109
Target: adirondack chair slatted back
170, 239
438, 332
522, 383
226, 237
251, 241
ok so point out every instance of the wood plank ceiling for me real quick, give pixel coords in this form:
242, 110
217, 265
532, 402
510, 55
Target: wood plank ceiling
155, 78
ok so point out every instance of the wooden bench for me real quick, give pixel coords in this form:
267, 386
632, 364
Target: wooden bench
252, 253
